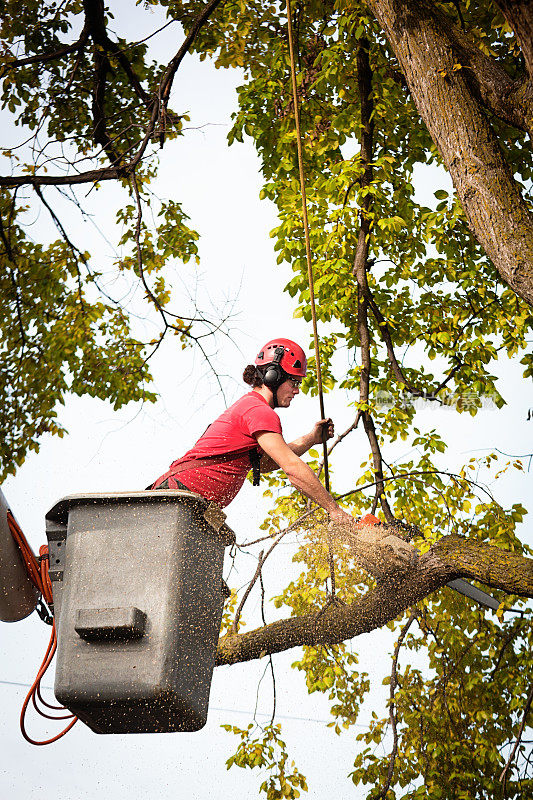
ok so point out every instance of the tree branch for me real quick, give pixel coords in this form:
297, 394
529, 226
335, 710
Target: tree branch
503, 776
519, 15
260, 562
497, 213
95, 21
159, 104
392, 715
397, 370
451, 557
43, 58
338, 439
501, 569
364, 83
509, 99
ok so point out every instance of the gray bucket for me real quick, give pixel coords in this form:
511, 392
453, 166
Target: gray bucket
138, 597
18, 596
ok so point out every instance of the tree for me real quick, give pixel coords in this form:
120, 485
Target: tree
463, 92
384, 88
93, 111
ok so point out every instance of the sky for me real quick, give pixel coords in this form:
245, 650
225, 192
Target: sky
123, 450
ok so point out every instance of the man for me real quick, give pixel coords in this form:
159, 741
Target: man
248, 435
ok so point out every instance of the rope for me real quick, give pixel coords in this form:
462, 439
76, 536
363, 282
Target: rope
309, 270
38, 573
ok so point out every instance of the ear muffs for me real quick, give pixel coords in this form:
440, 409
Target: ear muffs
274, 375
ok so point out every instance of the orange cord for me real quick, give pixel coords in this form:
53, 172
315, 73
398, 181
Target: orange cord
38, 572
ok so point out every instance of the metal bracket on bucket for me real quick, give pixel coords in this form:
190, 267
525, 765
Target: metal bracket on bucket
214, 516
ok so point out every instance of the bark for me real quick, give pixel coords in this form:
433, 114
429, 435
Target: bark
451, 557
457, 121
519, 15
510, 99
500, 569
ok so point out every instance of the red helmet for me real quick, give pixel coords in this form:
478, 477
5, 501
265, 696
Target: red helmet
292, 360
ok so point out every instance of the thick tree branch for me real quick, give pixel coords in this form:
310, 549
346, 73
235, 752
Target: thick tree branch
509, 99
95, 21
102, 68
500, 569
91, 176
451, 557
44, 58
492, 200
519, 15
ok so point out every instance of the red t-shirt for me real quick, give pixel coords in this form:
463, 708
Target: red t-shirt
234, 430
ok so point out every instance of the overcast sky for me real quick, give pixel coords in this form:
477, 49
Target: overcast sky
108, 450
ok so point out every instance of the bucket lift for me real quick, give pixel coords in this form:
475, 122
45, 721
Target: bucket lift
138, 596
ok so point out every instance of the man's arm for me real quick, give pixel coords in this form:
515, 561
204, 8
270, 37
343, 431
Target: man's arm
300, 474
303, 443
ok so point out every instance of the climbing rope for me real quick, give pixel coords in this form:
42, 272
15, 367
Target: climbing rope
310, 278
37, 569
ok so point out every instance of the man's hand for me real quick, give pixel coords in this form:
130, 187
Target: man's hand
319, 428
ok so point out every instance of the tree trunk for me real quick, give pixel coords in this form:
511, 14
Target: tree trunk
496, 211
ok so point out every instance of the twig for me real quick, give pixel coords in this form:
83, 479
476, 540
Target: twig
511, 455
291, 527
503, 776
138, 224
385, 479
76, 252
270, 660
260, 562
392, 714
262, 559
515, 629
418, 473
395, 366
